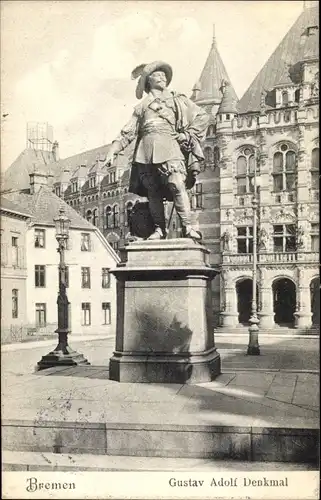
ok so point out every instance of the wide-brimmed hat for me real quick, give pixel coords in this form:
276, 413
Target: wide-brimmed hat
144, 70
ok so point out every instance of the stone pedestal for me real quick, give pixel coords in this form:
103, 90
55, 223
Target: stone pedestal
164, 314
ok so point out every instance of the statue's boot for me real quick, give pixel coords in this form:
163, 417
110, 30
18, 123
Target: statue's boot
189, 232
158, 234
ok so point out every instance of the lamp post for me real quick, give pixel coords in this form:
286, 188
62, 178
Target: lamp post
62, 355
253, 347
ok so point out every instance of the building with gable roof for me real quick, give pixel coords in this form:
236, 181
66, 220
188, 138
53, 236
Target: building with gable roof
89, 258
14, 227
272, 128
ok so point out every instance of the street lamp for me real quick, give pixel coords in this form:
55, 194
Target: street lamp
253, 347
62, 355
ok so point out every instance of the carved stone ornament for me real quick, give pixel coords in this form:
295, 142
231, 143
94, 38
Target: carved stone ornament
283, 214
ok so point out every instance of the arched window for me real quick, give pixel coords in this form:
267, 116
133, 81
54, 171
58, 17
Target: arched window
129, 208
315, 169
216, 156
210, 131
89, 215
297, 95
284, 162
108, 217
208, 155
245, 165
95, 217
285, 98
116, 215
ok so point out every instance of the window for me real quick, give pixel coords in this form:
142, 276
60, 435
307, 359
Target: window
105, 277
285, 98
106, 313
74, 186
39, 238
244, 239
315, 169
41, 315
108, 217
314, 237
95, 217
40, 276
86, 314
129, 208
85, 242
216, 156
197, 196
116, 216
208, 155
284, 163
92, 181
85, 277
115, 245
14, 303
89, 215
14, 250
284, 239
245, 166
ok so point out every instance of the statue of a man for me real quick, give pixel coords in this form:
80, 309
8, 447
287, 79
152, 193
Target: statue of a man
168, 128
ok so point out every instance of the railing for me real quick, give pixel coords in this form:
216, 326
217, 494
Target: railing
308, 257
278, 257
272, 258
242, 258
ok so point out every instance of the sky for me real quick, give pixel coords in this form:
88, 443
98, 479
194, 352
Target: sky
69, 62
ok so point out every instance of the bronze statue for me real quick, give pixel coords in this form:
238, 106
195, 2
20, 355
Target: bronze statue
168, 129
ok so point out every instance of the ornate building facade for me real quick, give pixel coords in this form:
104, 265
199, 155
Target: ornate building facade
272, 132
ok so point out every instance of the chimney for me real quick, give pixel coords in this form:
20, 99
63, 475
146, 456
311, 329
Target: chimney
37, 180
55, 151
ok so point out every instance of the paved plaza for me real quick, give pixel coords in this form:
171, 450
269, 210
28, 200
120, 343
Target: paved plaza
261, 408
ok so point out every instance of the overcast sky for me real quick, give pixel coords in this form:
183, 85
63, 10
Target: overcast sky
68, 63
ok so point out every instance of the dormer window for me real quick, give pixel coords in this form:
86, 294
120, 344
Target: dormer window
58, 191
285, 98
312, 30
74, 186
92, 181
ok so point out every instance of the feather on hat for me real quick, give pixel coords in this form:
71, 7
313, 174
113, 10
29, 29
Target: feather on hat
144, 70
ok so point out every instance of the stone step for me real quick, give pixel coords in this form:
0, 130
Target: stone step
37, 461
223, 442
273, 331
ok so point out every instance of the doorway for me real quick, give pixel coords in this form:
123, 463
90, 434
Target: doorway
284, 302
244, 300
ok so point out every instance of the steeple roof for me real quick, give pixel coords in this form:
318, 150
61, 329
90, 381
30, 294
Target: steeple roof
211, 77
229, 101
299, 44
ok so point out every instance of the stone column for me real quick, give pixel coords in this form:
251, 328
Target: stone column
266, 314
229, 315
303, 315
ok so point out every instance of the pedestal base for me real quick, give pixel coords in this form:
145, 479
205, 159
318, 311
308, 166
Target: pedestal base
303, 319
165, 328
165, 368
59, 358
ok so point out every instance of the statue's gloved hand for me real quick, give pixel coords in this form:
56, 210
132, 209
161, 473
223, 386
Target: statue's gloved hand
181, 137
111, 153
